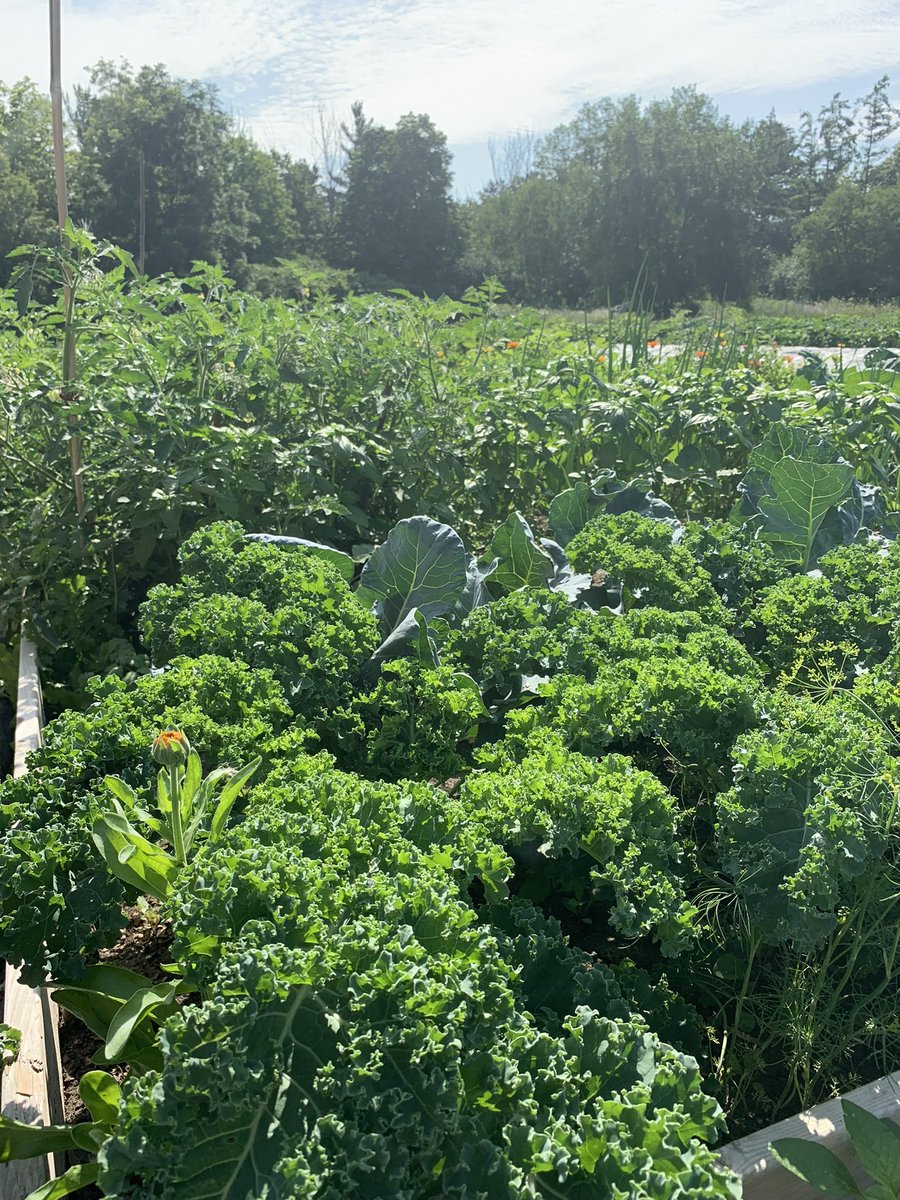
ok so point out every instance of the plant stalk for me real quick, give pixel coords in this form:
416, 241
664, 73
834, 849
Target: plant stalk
177, 826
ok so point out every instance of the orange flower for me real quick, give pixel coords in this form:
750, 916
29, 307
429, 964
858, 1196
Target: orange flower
789, 358
513, 345
653, 344
440, 354
601, 358
700, 353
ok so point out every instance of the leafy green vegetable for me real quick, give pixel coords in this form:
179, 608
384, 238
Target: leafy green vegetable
422, 564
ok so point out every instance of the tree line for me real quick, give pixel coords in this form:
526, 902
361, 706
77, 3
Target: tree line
671, 192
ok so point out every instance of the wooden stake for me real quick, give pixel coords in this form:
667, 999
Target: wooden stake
69, 391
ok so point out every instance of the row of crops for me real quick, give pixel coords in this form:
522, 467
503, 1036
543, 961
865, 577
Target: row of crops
491, 733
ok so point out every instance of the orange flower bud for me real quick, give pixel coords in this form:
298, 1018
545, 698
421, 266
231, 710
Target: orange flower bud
171, 748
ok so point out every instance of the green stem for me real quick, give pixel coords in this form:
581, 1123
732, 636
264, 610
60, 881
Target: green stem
177, 828
739, 1007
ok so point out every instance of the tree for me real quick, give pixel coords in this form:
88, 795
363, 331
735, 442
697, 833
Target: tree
260, 223
396, 219
666, 186
183, 134
837, 136
308, 202
27, 187
777, 197
879, 118
851, 244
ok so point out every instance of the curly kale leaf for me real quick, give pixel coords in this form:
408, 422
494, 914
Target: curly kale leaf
638, 554
804, 827
619, 821
378, 1065
283, 609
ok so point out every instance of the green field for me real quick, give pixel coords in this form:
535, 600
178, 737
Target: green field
534, 826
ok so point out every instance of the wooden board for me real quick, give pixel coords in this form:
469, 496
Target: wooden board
764, 1179
31, 1087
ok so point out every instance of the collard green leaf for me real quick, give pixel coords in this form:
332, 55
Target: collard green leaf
570, 511
422, 564
521, 562
571, 583
475, 594
411, 639
801, 494
789, 441
815, 1164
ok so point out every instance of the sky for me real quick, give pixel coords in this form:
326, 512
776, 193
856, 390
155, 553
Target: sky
482, 69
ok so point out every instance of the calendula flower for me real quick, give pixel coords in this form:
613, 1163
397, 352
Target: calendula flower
440, 354
789, 358
513, 345
700, 353
653, 344
171, 748
601, 358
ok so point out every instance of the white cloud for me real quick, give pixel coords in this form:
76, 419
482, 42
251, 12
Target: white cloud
478, 67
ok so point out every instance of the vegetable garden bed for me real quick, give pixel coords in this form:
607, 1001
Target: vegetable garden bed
475, 861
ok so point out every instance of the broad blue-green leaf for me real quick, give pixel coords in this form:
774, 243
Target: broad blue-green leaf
422, 564
475, 594
521, 562
789, 441
411, 639
816, 1165
801, 493
337, 558
565, 579
876, 1142
570, 511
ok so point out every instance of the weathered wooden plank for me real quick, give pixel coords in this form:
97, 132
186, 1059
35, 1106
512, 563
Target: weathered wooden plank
764, 1179
31, 1087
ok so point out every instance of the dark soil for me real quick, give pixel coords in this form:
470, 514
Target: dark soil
143, 946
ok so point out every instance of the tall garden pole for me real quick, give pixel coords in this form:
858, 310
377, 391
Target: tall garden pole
69, 391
